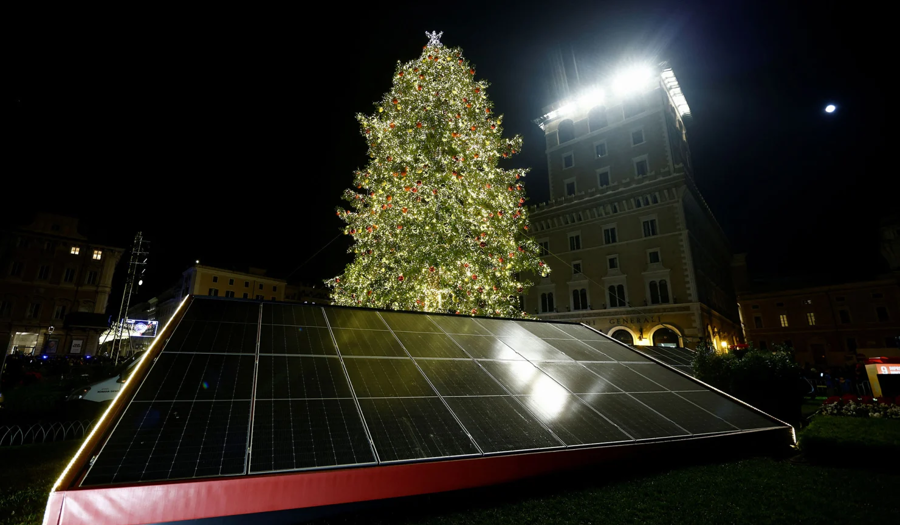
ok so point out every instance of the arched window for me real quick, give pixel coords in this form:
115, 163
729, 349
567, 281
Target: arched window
566, 131
665, 337
576, 301
613, 302
579, 299
654, 293
620, 291
597, 118
547, 302
623, 336
663, 291
616, 296
584, 302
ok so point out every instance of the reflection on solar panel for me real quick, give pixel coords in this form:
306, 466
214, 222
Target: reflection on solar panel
678, 358
242, 388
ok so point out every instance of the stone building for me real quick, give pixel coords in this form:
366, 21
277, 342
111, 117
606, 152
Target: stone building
54, 283
634, 249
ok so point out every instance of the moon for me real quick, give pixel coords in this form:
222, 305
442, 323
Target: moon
830, 108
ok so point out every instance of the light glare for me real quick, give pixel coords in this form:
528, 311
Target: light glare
830, 108
632, 79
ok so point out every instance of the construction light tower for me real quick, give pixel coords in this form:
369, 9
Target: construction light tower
136, 269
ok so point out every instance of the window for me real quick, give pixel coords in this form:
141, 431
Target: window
547, 302
91, 277
576, 268
609, 235
637, 137
231, 282
637, 202
98, 254
214, 292
757, 321
882, 313
273, 298
260, 286
654, 199
570, 187
811, 318
229, 294
43, 272
34, 311
69, 275
600, 149
5, 308
653, 256
49, 246
259, 298
632, 106
603, 177
615, 208
851, 344
807, 301
641, 167
574, 241
246, 284
246, 295
579, 299
659, 292
649, 227
15, 269
844, 315
274, 288
612, 262
544, 248
215, 278
566, 131
568, 160
616, 296
60, 312
783, 319
75, 250
755, 307
597, 118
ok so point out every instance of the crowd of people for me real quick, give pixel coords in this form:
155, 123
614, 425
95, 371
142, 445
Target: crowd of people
836, 380
23, 369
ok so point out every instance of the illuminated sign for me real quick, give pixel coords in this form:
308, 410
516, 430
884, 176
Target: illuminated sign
884, 370
138, 328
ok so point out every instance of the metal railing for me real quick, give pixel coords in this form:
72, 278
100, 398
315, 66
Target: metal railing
11, 435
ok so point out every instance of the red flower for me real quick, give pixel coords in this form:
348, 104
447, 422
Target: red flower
847, 398
867, 399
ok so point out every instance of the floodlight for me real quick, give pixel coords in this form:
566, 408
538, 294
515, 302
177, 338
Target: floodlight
830, 108
632, 79
590, 98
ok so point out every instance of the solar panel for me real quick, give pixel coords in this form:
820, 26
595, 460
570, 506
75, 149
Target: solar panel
678, 358
242, 387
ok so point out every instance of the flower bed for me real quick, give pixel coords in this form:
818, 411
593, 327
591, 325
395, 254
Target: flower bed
866, 406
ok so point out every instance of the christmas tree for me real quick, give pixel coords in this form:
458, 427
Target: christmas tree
437, 225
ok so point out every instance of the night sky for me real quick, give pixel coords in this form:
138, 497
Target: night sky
228, 136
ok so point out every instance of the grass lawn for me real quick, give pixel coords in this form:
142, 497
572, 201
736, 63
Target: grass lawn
26, 475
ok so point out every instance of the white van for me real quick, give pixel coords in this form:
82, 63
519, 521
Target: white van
107, 389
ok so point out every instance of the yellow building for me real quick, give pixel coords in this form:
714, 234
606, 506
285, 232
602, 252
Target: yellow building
634, 249
54, 287
219, 282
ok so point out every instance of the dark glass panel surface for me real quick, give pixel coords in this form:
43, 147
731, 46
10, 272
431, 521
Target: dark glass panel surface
481, 347
292, 314
387, 378
410, 323
225, 311
577, 379
573, 421
544, 330
577, 350
430, 345
208, 336
186, 377
503, 328
355, 318
665, 377
173, 440
580, 332
521, 377
279, 339
731, 411
500, 424
534, 349
617, 351
368, 343
300, 434
404, 429
623, 377
684, 413
459, 378
669, 355
289, 377
632, 416
459, 325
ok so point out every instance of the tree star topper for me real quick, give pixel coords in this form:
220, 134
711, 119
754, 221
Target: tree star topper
434, 38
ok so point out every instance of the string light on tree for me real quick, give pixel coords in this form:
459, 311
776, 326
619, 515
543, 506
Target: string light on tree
437, 225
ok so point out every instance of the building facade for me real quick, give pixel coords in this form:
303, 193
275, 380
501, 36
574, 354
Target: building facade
300, 292
826, 325
634, 249
49, 275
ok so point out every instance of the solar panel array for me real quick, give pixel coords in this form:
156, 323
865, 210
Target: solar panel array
248, 388
678, 358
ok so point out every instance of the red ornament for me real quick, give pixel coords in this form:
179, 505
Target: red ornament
421, 77
472, 72
519, 289
400, 74
419, 87
474, 311
337, 280
418, 124
521, 248
505, 155
431, 269
404, 210
394, 101
460, 61
415, 190
389, 159
418, 183
400, 278
477, 90
487, 186
493, 126
466, 265
487, 110
415, 70
474, 128
434, 191
483, 244
392, 125
474, 277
